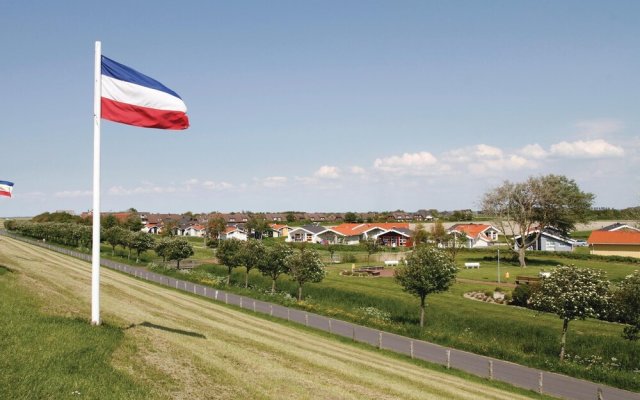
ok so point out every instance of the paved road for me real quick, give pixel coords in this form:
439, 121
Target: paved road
541, 381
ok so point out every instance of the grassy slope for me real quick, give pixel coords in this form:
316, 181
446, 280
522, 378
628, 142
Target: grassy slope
181, 346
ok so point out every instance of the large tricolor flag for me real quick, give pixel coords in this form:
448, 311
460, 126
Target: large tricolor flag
133, 98
6, 188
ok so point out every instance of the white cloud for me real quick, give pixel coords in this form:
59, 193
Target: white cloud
408, 163
211, 185
534, 151
73, 193
486, 151
145, 189
274, 181
327, 171
586, 149
356, 170
599, 127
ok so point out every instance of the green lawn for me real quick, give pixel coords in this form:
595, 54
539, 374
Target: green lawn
53, 357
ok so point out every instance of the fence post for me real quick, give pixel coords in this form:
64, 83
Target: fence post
205, 291
599, 394
540, 383
330, 328
353, 336
271, 310
240, 302
380, 340
411, 348
195, 291
448, 359
306, 319
288, 314
490, 370
226, 298
254, 306
215, 297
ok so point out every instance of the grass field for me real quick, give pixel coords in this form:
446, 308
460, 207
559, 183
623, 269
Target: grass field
159, 343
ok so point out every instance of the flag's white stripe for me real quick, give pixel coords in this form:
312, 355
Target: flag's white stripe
130, 93
6, 188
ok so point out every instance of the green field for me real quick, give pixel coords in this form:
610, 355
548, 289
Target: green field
159, 343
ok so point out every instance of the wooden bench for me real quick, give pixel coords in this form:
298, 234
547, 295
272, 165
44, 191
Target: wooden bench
527, 280
468, 265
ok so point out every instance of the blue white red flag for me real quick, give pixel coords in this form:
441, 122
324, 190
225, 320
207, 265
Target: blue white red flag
6, 188
132, 98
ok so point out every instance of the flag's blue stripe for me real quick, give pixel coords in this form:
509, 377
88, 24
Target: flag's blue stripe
122, 72
6, 183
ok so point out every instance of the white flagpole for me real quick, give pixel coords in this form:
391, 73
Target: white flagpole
95, 253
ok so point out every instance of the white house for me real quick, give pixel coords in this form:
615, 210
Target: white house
233, 232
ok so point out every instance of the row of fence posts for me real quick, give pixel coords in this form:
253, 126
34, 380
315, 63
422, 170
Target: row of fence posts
137, 274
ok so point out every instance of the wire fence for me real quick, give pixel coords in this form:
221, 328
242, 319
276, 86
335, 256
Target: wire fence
486, 367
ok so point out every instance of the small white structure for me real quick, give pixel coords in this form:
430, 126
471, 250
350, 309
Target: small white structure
468, 265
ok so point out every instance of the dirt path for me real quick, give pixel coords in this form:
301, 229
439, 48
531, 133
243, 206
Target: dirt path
191, 348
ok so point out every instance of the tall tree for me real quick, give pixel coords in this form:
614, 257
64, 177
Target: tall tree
427, 270
371, 246
228, 252
161, 248
572, 293
133, 222
114, 236
439, 233
252, 254
545, 201
178, 250
257, 225
169, 227
305, 266
142, 242
350, 217
627, 302
109, 221
216, 225
420, 235
275, 262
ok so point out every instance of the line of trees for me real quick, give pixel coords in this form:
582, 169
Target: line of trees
302, 266
73, 234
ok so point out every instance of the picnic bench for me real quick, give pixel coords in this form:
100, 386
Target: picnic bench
390, 263
527, 280
468, 265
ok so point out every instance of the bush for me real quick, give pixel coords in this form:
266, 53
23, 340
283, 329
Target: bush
520, 295
348, 258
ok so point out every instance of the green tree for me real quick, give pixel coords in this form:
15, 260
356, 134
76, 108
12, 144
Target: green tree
627, 304
216, 226
142, 242
275, 262
350, 217
257, 225
551, 200
305, 266
109, 221
420, 235
228, 253
371, 246
178, 250
114, 236
133, 222
126, 241
169, 227
161, 248
572, 293
427, 270
251, 254
291, 217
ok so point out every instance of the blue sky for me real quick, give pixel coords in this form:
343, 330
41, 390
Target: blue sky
323, 105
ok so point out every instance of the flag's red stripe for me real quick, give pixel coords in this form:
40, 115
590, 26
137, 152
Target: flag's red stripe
142, 116
5, 193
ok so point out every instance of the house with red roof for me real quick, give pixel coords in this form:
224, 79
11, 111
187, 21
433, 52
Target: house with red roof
354, 233
477, 235
233, 232
625, 243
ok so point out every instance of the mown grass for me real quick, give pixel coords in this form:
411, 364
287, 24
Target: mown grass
53, 357
510, 333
